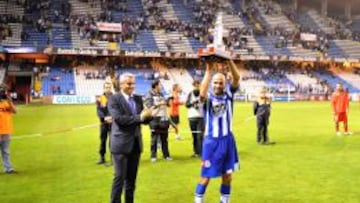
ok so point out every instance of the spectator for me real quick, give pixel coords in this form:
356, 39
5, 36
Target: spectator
7, 109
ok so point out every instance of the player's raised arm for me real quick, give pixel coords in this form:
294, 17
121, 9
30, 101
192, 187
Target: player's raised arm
206, 81
234, 72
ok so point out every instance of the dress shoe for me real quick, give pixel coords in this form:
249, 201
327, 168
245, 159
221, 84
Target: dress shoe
11, 171
101, 161
195, 156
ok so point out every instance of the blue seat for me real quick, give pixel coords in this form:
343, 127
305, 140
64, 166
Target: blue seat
65, 81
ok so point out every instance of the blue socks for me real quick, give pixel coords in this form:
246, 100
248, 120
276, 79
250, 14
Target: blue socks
225, 193
200, 189
199, 193
225, 189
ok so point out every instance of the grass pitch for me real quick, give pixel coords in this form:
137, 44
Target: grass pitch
55, 148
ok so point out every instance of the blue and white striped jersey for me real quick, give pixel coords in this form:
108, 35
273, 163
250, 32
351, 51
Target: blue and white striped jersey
218, 112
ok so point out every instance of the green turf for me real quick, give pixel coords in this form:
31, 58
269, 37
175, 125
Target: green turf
309, 163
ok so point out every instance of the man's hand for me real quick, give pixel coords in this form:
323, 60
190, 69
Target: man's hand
146, 114
11, 104
210, 65
108, 119
195, 103
163, 103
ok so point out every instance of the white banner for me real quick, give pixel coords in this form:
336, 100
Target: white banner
110, 27
355, 97
73, 99
308, 37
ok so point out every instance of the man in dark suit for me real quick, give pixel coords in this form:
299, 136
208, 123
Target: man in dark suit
126, 110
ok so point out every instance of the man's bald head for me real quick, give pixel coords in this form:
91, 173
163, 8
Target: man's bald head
218, 83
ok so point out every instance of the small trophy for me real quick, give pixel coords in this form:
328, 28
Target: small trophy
216, 50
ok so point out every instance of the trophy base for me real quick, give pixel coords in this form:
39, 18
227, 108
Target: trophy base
212, 52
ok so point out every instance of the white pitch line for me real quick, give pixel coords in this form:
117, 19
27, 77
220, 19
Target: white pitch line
41, 134
85, 126
27, 136
77, 128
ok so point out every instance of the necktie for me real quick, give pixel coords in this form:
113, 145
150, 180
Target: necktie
132, 104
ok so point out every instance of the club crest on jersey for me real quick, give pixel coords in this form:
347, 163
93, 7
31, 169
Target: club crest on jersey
218, 108
206, 163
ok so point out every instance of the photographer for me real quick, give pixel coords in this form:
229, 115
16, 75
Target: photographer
195, 115
7, 109
160, 124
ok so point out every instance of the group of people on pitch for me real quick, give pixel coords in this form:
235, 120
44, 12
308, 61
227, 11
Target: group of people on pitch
210, 116
159, 124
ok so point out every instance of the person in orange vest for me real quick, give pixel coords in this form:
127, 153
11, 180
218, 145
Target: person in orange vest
175, 102
340, 106
7, 109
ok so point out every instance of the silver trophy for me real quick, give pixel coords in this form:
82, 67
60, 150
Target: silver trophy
217, 48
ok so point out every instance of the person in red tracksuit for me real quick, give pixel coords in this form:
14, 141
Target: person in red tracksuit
340, 106
175, 102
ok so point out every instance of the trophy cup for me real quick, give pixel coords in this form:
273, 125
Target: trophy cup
216, 51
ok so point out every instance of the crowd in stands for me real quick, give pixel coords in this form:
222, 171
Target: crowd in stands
100, 74
276, 72
152, 9
5, 31
117, 5
88, 30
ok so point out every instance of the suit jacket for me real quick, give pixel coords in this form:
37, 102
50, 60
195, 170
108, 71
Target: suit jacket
126, 125
262, 107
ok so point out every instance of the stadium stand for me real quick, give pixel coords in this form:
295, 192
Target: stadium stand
143, 78
272, 17
15, 39
356, 24
61, 37
58, 82
166, 82
326, 25
335, 50
349, 48
332, 79
144, 41
352, 79
85, 8
250, 82
182, 77
176, 42
305, 83
261, 29
183, 12
36, 38
273, 46
2, 74
132, 9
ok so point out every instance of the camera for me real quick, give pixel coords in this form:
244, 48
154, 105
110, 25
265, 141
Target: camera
3, 92
195, 104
